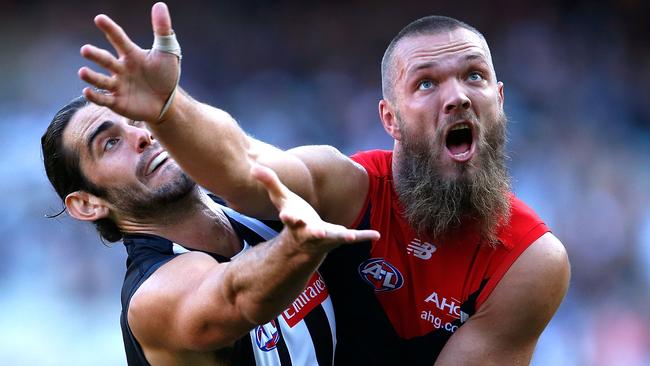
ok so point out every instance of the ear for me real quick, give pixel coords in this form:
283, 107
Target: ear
85, 206
500, 94
388, 117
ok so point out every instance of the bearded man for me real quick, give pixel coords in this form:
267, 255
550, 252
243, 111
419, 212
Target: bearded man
201, 286
464, 273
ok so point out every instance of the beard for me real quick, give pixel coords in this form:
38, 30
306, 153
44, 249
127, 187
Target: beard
160, 202
135, 202
438, 207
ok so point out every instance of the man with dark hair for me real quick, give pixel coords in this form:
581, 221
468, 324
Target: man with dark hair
465, 273
201, 288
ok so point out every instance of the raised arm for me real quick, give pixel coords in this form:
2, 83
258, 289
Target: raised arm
207, 142
194, 303
506, 328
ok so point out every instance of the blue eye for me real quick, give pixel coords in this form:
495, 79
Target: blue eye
110, 143
475, 76
425, 85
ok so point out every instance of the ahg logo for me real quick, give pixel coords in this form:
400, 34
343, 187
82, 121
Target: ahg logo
452, 307
267, 336
381, 275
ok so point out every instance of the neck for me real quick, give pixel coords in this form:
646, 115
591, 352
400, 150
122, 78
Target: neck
195, 222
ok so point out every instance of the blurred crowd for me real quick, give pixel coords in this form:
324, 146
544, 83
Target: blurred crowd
292, 73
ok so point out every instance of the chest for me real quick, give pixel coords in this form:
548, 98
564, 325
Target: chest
423, 286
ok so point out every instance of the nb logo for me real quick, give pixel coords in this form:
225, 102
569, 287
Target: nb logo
267, 336
381, 275
421, 250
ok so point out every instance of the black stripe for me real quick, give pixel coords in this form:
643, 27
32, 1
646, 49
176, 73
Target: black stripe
134, 353
321, 335
283, 351
243, 353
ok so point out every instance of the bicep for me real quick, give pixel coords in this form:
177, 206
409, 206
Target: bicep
506, 327
329, 181
339, 184
188, 311
291, 170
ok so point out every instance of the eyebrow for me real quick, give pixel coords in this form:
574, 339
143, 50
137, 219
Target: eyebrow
428, 64
473, 56
477, 57
101, 128
424, 65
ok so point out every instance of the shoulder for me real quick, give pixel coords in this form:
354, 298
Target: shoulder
506, 327
530, 292
340, 183
376, 162
154, 305
542, 271
324, 157
521, 212
524, 226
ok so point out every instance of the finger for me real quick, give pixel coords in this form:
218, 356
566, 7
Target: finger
115, 34
352, 236
101, 57
98, 98
342, 235
277, 191
291, 220
161, 20
96, 79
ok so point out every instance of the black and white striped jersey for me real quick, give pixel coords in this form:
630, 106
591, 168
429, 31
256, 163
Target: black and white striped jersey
303, 334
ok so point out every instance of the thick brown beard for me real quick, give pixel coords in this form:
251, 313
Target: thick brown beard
166, 201
438, 207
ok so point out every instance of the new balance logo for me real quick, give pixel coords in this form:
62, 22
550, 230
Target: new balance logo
419, 249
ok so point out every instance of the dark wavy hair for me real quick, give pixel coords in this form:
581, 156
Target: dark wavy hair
63, 169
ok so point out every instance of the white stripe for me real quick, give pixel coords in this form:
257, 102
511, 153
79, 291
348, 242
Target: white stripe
178, 249
329, 311
245, 248
257, 226
299, 343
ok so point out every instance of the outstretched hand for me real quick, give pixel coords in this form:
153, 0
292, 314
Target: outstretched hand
302, 221
141, 80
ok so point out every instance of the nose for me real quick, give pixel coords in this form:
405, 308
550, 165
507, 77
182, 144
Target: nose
141, 138
455, 98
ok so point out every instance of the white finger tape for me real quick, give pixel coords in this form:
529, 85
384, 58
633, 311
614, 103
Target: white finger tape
168, 44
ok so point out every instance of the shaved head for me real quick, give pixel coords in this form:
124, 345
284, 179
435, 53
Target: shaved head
430, 25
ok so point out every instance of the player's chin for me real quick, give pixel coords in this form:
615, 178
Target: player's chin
454, 171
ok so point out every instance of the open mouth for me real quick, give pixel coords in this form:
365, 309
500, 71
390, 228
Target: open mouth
157, 162
460, 142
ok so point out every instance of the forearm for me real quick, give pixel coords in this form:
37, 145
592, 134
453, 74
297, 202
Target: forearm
210, 146
264, 281
232, 298
195, 303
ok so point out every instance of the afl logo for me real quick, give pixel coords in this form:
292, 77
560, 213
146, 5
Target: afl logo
381, 275
267, 336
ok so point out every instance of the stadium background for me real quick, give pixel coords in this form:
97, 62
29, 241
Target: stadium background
576, 76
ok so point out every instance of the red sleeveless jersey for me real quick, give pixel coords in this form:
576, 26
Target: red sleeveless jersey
417, 293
